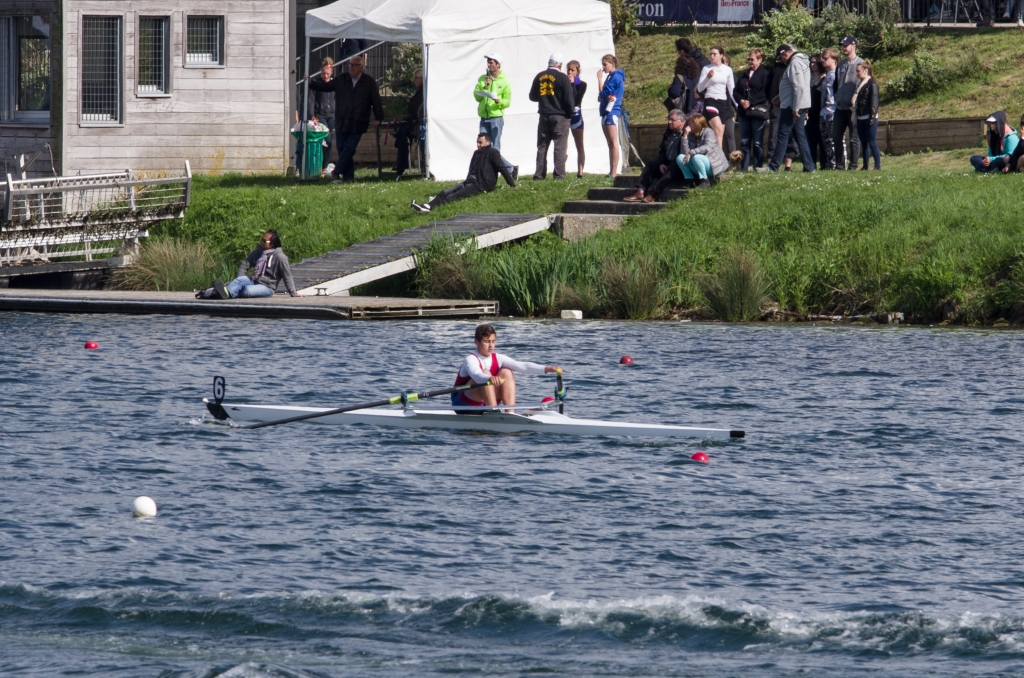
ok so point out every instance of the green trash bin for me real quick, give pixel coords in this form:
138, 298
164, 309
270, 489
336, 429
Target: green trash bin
313, 156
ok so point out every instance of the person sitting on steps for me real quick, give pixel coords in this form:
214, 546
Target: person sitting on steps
484, 168
662, 172
701, 158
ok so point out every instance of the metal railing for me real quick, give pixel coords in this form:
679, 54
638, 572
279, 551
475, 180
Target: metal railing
70, 217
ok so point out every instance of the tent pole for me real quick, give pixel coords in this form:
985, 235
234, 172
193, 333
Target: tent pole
305, 113
426, 83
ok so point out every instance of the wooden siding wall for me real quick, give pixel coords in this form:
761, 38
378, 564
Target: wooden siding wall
228, 119
895, 137
22, 138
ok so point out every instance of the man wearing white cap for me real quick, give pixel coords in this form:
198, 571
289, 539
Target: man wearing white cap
494, 94
556, 100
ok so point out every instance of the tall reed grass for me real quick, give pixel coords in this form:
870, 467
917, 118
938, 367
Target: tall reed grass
738, 289
170, 265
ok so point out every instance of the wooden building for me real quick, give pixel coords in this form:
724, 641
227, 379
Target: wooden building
147, 84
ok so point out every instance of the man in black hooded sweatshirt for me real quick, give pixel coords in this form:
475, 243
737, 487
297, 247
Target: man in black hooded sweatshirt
484, 168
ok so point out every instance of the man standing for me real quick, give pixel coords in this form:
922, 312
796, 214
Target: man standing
829, 59
845, 120
775, 112
794, 99
494, 94
354, 96
411, 124
555, 102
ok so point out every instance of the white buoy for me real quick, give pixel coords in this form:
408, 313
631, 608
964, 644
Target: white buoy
572, 315
144, 507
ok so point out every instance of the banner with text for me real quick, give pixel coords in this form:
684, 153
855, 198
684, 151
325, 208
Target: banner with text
701, 11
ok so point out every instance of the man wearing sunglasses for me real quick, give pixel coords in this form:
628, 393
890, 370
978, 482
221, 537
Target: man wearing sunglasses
270, 266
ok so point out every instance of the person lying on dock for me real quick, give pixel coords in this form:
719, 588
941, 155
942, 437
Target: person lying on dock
270, 267
484, 168
484, 365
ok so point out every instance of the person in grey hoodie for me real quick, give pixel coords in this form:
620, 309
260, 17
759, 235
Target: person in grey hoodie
270, 267
845, 120
794, 99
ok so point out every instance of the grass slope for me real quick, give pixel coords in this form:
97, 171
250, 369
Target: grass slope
229, 213
650, 57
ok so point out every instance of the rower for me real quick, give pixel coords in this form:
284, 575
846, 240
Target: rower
484, 365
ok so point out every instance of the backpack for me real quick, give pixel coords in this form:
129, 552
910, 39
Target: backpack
679, 102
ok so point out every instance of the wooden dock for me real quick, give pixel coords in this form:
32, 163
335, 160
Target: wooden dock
278, 306
337, 272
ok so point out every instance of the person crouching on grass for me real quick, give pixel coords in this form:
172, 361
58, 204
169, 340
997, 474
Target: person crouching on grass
493, 372
484, 168
1002, 142
701, 158
270, 267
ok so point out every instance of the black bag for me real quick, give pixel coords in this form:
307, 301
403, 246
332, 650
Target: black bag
759, 112
678, 103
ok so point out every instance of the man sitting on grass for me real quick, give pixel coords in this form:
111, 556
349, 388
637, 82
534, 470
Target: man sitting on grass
270, 266
484, 168
1002, 141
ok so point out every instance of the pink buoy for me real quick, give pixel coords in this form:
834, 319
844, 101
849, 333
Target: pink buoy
626, 360
91, 345
700, 458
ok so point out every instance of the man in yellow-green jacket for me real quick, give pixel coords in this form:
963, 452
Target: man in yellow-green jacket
494, 94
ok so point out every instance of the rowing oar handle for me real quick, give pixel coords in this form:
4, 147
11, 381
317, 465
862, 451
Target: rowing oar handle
560, 392
399, 399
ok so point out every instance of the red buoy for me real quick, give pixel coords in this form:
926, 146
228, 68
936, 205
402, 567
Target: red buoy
625, 360
91, 345
548, 399
700, 457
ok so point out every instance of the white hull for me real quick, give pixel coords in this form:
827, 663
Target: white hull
498, 422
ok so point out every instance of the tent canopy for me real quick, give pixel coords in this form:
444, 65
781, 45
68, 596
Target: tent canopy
456, 34
436, 21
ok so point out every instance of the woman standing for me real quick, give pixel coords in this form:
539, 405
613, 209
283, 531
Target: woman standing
753, 109
865, 104
612, 82
812, 126
717, 84
702, 159
576, 124
682, 91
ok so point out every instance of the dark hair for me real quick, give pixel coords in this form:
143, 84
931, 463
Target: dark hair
483, 331
687, 66
275, 239
816, 64
684, 45
485, 135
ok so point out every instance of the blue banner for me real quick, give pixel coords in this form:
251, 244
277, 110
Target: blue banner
701, 11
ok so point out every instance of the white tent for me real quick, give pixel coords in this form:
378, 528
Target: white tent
456, 34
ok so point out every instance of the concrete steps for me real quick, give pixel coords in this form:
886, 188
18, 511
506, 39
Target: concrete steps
620, 193
617, 207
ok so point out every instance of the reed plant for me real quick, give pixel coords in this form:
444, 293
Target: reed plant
633, 289
738, 289
170, 265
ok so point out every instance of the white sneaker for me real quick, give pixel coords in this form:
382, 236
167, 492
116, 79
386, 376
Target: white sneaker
330, 168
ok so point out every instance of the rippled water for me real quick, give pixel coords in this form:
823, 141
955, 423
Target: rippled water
871, 522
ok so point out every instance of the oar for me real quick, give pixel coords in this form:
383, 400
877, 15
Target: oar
560, 392
403, 399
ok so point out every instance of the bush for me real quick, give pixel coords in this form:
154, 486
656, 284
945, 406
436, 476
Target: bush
633, 290
169, 265
791, 24
738, 289
449, 268
927, 75
624, 17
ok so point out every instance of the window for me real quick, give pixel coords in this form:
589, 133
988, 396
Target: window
154, 55
101, 70
25, 69
204, 41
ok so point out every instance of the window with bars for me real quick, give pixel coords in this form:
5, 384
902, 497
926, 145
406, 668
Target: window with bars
101, 70
154, 55
25, 69
204, 41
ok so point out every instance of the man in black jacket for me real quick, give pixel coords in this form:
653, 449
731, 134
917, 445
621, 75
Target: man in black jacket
660, 173
556, 100
354, 95
411, 124
484, 168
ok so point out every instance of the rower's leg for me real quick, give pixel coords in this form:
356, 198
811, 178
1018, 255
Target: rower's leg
485, 394
508, 386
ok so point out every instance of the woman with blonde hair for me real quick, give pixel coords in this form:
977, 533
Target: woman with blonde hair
702, 159
579, 88
612, 82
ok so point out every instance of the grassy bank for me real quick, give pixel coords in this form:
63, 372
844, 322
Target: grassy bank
229, 213
994, 85
926, 236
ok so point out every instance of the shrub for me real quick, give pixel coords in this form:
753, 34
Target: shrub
449, 268
633, 290
624, 17
928, 74
738, 289
780, 26
169, 265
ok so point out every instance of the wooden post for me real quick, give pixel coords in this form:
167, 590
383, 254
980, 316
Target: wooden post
305, 113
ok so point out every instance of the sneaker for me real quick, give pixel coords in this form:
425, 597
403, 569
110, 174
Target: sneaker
330, 168
222, 290
704, 183
420, 208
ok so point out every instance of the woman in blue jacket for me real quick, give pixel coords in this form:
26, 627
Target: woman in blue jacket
612, 82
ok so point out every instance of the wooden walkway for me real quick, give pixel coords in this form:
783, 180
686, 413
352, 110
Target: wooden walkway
278, 306
335, 273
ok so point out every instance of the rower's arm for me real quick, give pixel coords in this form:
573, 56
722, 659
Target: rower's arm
522, 367
472, 366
